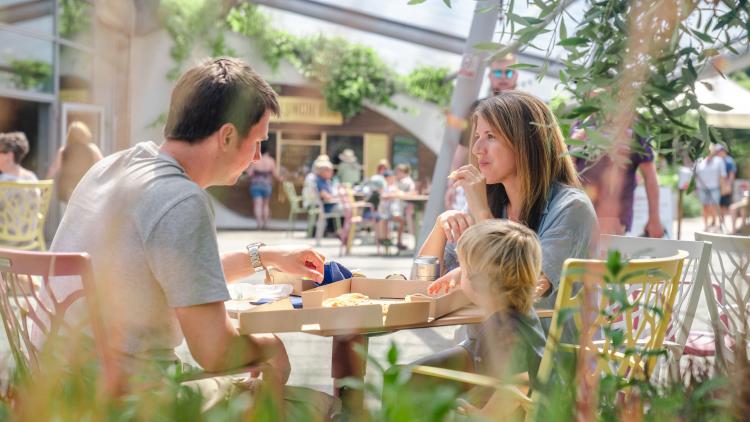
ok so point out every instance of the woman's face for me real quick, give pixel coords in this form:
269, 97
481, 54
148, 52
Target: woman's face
497, 161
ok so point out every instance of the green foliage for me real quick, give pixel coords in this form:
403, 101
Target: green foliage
75, 17
31, 74
348, 73
637, 57
429, 84
189, 21
400, 400
358, 75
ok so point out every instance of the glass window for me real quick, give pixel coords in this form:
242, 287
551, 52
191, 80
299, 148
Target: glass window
76, 75
25, 63
405, 151
75, 20
37, 16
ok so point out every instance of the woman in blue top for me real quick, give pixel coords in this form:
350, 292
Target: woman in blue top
520, 171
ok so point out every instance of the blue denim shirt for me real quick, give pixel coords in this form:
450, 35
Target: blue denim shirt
566, 230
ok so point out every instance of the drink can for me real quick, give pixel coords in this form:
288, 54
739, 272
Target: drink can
425, 268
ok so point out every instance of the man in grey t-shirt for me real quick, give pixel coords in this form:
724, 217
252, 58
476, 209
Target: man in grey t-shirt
145, 219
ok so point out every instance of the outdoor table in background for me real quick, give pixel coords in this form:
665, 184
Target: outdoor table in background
419, 202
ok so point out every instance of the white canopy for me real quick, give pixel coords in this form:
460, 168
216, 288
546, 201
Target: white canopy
725, 91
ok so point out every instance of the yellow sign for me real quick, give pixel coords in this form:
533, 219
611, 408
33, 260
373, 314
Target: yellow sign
307, 110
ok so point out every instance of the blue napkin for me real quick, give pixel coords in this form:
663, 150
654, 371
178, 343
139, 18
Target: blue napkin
296, 301
333, 271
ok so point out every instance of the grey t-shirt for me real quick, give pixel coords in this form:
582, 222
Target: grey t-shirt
152, 239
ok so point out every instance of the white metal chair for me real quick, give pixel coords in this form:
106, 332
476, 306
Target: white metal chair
730, 273
679, 339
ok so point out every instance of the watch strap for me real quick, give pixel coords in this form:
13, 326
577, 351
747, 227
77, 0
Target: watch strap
253, 250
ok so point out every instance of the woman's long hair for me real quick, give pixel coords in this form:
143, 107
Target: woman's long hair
541, 155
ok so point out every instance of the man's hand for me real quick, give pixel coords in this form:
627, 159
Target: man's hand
654, 229
300, 260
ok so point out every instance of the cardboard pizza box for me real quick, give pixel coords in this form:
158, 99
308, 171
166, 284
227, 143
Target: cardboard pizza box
299, 284
387, 289
279, 317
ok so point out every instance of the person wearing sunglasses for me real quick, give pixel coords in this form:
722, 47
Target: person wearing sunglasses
502, 78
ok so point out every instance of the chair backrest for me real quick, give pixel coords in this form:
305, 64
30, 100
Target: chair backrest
295, 201
32, 314
693, 280
23, 210
594, 307
730, 271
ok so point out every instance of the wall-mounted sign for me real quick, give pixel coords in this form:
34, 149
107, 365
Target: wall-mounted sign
307, 110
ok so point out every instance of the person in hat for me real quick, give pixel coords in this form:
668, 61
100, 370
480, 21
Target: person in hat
309, 188
349, 169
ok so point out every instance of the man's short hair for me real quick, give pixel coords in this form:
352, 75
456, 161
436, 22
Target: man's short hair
15, 142
215, 92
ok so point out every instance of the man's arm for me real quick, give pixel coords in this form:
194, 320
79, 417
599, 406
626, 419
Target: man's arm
654, 227
300, 260
217, 346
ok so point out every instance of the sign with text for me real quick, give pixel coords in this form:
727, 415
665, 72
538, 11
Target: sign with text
307, 110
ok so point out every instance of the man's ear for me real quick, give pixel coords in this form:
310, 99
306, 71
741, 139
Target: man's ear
226, 133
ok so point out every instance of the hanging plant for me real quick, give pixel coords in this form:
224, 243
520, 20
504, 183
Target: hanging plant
349, 74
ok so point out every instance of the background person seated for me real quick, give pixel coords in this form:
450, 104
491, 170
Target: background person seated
406, 185
13, 148
391, 209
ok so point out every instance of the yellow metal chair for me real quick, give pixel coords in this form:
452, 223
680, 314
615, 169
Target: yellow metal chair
23, 210
650, 285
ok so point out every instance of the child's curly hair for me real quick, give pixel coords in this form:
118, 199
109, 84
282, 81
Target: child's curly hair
504, 258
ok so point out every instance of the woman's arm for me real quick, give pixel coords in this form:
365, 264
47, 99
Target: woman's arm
434, 245
54, 168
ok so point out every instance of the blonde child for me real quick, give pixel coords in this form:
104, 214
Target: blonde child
500, 265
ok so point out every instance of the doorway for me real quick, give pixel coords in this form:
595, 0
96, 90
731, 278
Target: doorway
90, 115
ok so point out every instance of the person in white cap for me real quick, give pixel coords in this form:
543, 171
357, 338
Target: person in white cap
349, 170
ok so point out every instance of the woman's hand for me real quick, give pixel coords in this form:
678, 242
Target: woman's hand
447, 282
542, 287
454, 223
475, 189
